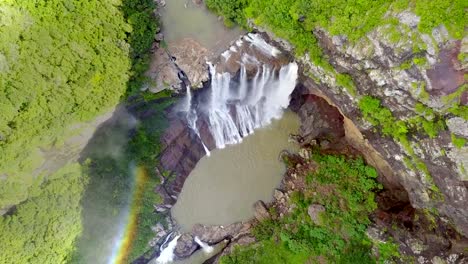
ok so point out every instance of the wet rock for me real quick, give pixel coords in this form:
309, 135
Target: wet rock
162, 72
277, 194
181, 152
186, 245
160, 208
261, 211
246, 53
445, 77
215, 234
160, 232
161, 3
159, 37
314, 211
304, 153
191, 57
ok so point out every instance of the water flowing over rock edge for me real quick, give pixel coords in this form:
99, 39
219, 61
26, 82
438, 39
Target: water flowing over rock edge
367, 142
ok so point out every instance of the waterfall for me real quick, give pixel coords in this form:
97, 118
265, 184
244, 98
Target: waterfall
206, 248
167, 255
233, 107
262, 45
192, 117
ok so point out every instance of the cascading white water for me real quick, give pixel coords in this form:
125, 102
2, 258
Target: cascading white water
262, 45
237, 107
192, 118
206, 248
167, 254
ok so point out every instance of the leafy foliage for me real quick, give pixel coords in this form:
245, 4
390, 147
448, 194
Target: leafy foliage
458, 142
346, 188
139, 14
296, 19
61, 62
113, 158
43, 229
451, 14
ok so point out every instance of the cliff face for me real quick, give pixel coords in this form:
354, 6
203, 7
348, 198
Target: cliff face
415, 132
376, 69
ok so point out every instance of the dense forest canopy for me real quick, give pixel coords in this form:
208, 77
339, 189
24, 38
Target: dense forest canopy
61, 62
295, 19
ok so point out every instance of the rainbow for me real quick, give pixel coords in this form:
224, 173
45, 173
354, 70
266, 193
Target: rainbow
129, 224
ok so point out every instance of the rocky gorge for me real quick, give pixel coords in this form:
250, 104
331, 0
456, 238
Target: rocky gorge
422, 206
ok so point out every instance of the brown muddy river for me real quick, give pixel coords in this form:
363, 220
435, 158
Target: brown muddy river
183, 19
223, 187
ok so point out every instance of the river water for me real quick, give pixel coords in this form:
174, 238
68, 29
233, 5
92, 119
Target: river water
183, 19
223, 187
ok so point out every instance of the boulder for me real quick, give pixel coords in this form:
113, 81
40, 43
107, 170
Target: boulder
162, 72
215, 234
159, 37
277, 194
314, 211
186, 245
191, 58
261, 211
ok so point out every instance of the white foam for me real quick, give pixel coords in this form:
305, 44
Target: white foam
262, 45
205, 247
167, 254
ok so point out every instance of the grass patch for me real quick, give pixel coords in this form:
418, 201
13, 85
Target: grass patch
346, 188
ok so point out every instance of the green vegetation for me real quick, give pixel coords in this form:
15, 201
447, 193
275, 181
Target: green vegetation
454, 98
459, 110
381, 117
458, 142
345, 80
452, 14
60, 62
144, 148
116, 186
427, 121
43, 229
295, 20
139, 15
346, 188
63, 62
